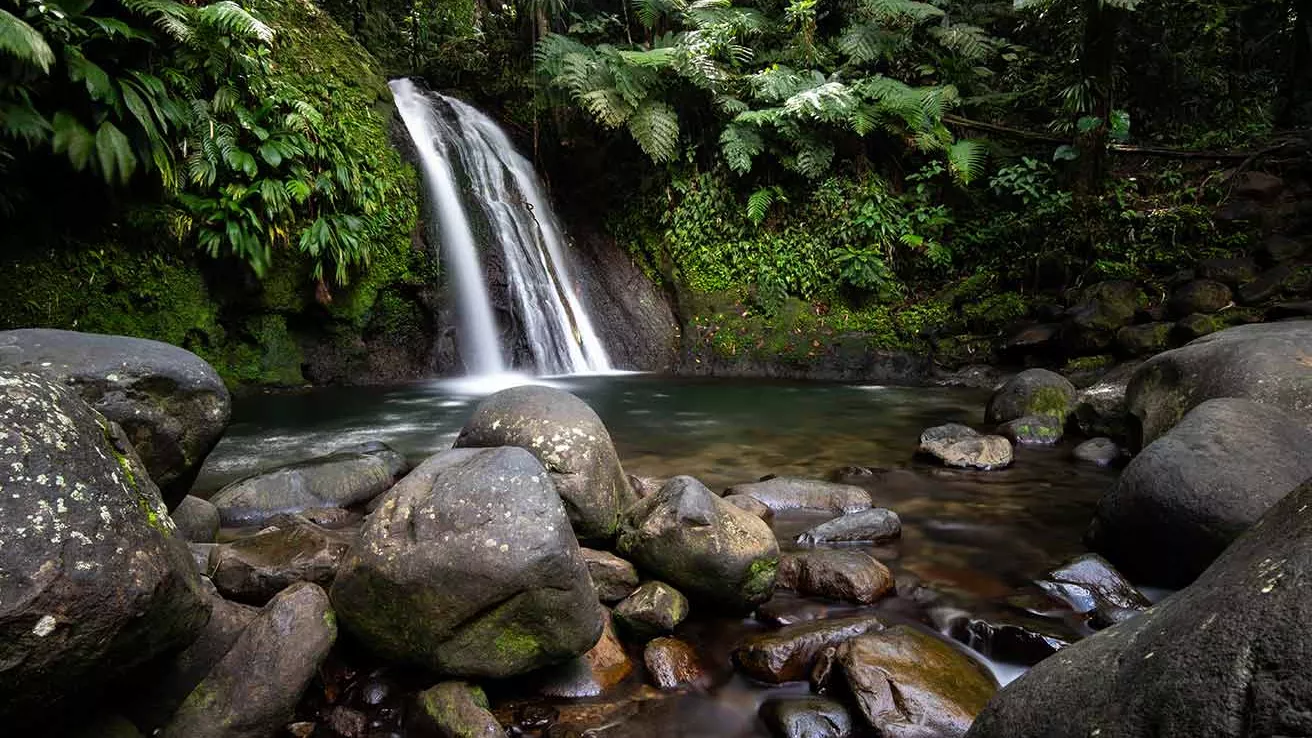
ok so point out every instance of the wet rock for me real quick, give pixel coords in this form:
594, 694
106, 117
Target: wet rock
709, 549
171, 405
673, 664
94, 578
613, 577
592, 674
1199, 296
1266, 363
1105, 306
790, 608
1100, 408
1233, 271
1032, 392
654, 609
753, 506
570, 441
787, 493
839, 574
1228, 656
807, 717
1100, 451
878, 525
470, 568
1266, 286
1191, 492
961, 447
1280, 248
1146, 339
789, 654
254, 569
348, 723
254, 688
457, 710
1010, 643
197, 520
1032, 430
1090, 584
341, 479
909, 683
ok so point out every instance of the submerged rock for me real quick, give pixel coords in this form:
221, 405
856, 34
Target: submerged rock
197, 520
1229, 656
1032, 392
94, 578
878, 525
962, 447
788, 654
807, 717
711, 550
844, 574
457, 710
172, 406
341, 479
1191, 492
654, 609
672, 664
469, 567
788, 493
254, 569
613, 577
570, 441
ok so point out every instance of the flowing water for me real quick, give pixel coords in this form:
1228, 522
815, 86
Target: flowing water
974, 539
483, 195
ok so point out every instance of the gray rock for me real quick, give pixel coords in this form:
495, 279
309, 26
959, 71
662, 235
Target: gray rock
654, 609
570, 441
807, 717
752, 505
1191, 492
172, 405
1011, 643
1090, 584
788, 493
1267, 363
594, 673
1032, 430
788, 654
1032, 392
961, 447
878, 525
1196, 326
457, 710
1229, 656
849, 575
1100, 451
1100, 408
1106, 306
341, 479
254, 688
197, 520
1144, 340
711, 550
613, 577
1199, 296
254, 569
469, 568
1266, 286
94, 578
673, 664
1286, 310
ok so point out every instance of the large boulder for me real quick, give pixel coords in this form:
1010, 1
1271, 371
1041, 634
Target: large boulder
789, 493
1106, 306
94, 578
469, 567
1032, 392
170, 403
1267, 363
1230, 656
253, 690
711, 550
570, 441
341, 479
1188, 494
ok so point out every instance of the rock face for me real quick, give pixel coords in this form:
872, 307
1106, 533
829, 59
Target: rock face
878, 525
342, 479
254, 569
1227, 657
1032, 392
655, 608
570, 441
253, 690
787, 654
910, 684
94, 578
469, 567
847, 575
1191, 492
711, 550
613, 577
786, 493
961, 447
1268, 363
170, 403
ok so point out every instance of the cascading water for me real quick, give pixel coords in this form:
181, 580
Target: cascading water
456, 144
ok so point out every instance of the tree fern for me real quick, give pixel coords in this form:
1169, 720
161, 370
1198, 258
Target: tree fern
740, 144
813, 157
24, 43
655, 127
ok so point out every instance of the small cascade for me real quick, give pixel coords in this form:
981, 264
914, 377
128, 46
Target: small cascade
484, 194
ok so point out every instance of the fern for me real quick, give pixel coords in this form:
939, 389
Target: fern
759, 202
740, 144
966, 160
655, 127
814, 155
24, 42
231, 19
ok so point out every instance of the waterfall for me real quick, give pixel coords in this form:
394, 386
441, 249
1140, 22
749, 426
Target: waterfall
474, 176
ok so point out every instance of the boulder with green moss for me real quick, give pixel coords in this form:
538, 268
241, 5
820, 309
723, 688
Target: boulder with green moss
1032, 392
469, 567
654, 609
94, 579
455, 710
711, 550
1033, 430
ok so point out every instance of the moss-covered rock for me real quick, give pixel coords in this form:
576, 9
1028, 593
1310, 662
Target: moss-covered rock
1032, 392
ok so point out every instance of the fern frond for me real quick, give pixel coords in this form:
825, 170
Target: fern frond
869, 42
814, 155
24, 43
740, 144
966, 160
232, 19
829, 102
651, 11
655, 127
972, 43
759, 202
901, 10
171, 17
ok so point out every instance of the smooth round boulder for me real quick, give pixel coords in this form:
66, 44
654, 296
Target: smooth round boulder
878, 525
789, 493
1106, 306
197, 520
94, 578
962, 447
1191, 492
1100, 451
1199, 296
1230, 656
1032, 392
170, 403
469, 567
1266, 363
1143, 340
710, 550
849, 575
570, 441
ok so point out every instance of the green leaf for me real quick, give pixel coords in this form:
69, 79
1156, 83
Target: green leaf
271, 153
1066, 152
655, 127
24, 42
114, 153
966, 160
72, 139
758, 204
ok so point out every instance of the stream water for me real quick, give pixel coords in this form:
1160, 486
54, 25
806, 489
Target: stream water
971, 538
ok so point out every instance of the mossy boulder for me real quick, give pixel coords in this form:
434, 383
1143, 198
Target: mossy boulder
1032, 392
652, 610
1106, 306
1142, 340
1032, 430
94, 579
1199, 296
711, 550
469, 567
456, 710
